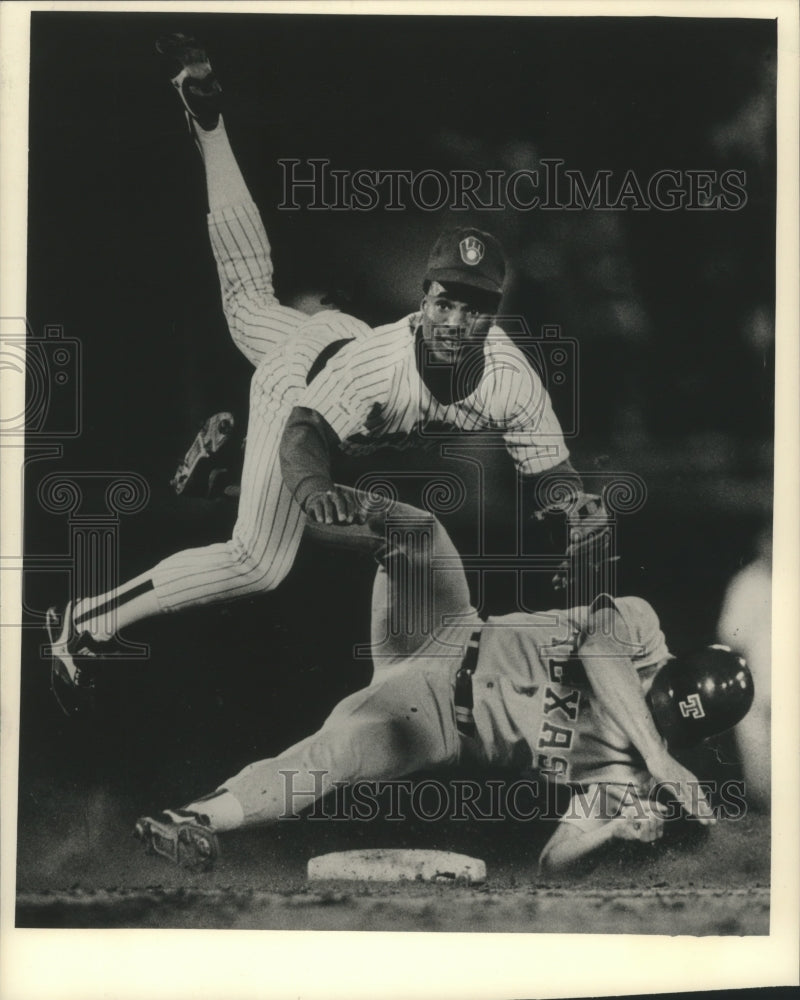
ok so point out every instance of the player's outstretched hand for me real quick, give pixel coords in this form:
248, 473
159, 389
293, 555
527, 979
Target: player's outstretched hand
643, 822
334, 506
682, 785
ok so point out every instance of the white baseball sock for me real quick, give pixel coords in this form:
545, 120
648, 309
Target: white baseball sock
223, 809
224, 179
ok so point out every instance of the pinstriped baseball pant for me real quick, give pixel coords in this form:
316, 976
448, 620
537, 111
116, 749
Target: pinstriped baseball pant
283, 343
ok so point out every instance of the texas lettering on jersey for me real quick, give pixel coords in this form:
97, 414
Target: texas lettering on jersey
533, 697
560, 709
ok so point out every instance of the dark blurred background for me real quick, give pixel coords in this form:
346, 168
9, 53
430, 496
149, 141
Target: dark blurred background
672, 312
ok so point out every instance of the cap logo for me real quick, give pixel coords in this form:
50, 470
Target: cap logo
692, 708
472, 250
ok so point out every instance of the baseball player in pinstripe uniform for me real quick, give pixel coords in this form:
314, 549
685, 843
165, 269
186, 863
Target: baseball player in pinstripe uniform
322, 382
589, 697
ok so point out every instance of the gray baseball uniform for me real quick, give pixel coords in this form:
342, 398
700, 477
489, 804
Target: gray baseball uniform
533, 706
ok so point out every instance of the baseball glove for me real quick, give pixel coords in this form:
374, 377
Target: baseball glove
588, 561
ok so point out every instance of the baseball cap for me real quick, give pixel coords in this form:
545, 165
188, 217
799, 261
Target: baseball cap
468, 257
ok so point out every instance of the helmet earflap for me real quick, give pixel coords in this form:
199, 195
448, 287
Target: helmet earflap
700, 695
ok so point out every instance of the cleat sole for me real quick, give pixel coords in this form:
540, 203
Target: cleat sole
187, 845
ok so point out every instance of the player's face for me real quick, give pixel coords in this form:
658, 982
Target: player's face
450, 324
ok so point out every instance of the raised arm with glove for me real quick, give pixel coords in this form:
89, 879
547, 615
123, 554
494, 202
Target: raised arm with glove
589, 547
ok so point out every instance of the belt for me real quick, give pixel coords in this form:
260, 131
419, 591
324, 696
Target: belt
324, 357
465, 721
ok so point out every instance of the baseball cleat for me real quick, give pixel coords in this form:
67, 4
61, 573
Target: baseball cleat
184, 838
193, 78
71, 672
197, 474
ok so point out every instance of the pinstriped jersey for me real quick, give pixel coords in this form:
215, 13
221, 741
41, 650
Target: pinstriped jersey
534, 706
371, 392
372, 395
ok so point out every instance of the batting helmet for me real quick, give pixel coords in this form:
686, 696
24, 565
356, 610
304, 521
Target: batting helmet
699, 695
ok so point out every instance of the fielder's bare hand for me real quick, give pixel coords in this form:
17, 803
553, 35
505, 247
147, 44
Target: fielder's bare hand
335, 506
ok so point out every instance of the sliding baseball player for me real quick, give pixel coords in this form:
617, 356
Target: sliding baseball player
589, 697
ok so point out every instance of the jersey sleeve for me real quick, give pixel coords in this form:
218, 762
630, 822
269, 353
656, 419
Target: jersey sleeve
650, 645
350, 387
521, 406
647, 644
